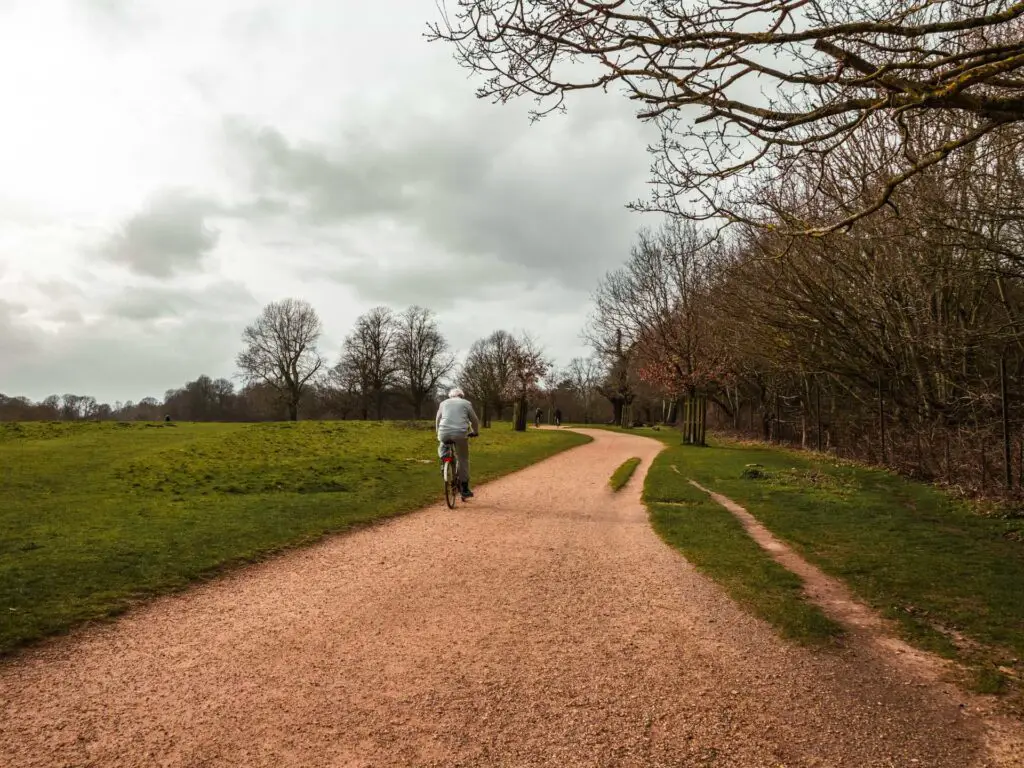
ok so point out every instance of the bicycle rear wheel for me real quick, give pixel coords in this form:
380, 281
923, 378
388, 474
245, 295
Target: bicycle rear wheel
451, 489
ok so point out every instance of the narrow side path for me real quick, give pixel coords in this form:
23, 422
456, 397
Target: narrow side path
1005, 735
543, 624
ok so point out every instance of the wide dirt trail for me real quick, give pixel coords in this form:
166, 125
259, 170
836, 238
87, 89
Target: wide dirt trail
544, 623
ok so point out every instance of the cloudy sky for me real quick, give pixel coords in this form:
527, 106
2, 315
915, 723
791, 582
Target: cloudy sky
167, 168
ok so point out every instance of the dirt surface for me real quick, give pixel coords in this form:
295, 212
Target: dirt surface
543, 623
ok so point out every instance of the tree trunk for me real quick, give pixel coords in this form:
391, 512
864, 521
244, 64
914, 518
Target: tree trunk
520, 415
293, 409
617, 407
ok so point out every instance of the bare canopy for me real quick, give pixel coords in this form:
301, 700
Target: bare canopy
750, 93
280, 350
422, 356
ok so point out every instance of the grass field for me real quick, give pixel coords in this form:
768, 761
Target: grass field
625, 471
95, 516
952, 578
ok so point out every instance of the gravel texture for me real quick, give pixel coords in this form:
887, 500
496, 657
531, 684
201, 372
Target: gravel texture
542, 623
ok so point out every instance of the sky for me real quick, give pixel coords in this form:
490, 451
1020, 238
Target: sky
168, 168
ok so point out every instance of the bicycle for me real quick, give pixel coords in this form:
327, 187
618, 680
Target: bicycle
450, 473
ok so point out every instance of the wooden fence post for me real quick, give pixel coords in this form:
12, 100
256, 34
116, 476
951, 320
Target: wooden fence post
777, 435
881, 421
817, 412
1007, 460
1020, 463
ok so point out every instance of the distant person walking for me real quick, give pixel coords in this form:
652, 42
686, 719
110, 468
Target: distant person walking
558, 417
536, 418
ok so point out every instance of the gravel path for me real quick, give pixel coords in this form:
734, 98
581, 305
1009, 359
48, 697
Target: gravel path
544, 623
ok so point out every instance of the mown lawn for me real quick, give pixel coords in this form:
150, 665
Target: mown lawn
951, 577
94, 516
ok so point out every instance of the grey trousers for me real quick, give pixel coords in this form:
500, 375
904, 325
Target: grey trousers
461, 450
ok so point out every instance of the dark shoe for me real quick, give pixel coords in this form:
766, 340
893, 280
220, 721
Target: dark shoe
466, 493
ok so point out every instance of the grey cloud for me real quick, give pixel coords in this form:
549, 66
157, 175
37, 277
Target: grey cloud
66, 315
544, 311
117, 21
439, 281
117, 362
169, 235
254, 24
471, 185
16, 338
163, 303
131, 351
58, 289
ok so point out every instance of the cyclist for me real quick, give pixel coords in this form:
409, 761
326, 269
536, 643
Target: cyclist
456, 422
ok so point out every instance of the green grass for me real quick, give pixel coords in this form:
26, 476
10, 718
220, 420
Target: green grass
716, 543
96, 516
625, 471
953, 579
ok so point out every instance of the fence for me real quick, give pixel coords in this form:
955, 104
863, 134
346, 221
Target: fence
985, 457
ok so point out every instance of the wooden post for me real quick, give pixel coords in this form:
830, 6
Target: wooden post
921, 455
1006, 422
778, 420
817, 411
881, 420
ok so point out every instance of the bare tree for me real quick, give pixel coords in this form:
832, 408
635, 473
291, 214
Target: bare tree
659, 301
487, 373
528, 366
554, 380
75, 407
422, 356
584, 375
370, 355
619, 386
746, 91
280, 350
350, 382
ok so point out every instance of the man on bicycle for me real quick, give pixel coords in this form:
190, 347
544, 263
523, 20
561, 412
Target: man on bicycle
456, 422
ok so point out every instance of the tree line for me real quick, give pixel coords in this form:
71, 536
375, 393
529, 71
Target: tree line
842, 262
898, 341
392, 365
